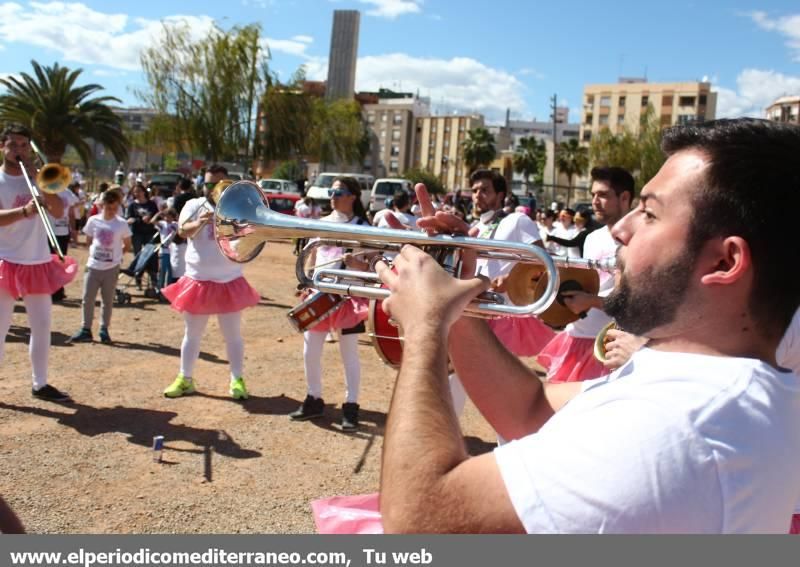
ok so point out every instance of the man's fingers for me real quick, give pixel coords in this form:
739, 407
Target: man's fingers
392, 221
424, 200
385, 273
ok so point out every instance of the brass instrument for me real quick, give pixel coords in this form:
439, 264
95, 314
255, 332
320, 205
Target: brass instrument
601, 340
211, 199
243, 223
52, 178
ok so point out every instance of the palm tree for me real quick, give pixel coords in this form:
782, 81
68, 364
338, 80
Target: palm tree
572, 159
479, 148
529, 159
61, 114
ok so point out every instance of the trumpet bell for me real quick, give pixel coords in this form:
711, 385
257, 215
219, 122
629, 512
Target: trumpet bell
53, 178
600, 342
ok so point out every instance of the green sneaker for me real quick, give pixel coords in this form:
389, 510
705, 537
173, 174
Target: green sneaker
180, 387
238, 389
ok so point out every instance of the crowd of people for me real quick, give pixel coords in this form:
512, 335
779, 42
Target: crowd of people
690, 424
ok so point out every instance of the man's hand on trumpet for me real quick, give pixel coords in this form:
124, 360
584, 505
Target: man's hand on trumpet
620, 346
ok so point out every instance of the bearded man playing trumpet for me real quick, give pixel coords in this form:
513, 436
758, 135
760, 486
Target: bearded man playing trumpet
27, 269
699, 432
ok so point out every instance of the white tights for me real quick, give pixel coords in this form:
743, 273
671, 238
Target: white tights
229, 324
38, 309
312, 358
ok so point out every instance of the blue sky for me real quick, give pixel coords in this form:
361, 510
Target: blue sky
467, 55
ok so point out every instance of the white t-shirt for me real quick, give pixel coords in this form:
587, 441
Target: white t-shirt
788, 354
515, 227
669, 443
24, 241
599, 245
107, 241
61, 225
560, 231
177, 259
302, 210
204, 261
165, 231
406, 219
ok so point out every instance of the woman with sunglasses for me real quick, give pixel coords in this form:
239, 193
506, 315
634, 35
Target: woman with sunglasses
348, 319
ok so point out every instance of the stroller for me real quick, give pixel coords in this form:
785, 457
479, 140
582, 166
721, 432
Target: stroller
144, 263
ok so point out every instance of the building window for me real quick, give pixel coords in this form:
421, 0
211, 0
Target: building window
686, 118
395, 150
383, 117
686, 101
589, 118
397, 118
371, 117
395, 134
703, 99
383, 133
666, 100
604, 120
605, 101
622, 101
590, 100
587, 136
645, 100
621, 119
394, 166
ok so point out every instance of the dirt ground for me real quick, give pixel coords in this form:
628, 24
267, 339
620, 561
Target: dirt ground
228, 467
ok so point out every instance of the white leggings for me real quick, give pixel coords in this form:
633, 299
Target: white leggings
312, 358
38, 309
229, 324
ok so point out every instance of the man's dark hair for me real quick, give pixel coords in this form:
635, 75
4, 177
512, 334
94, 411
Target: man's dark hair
14, 128
217, 168
498, 181
185, 184
400, 199
619, 179
752, 172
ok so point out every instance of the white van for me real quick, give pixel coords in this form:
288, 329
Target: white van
384, 188
320, 188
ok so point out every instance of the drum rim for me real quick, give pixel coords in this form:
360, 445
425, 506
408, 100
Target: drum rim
373, 306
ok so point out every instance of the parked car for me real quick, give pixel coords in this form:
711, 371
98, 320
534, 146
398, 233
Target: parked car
384, 188
528, 201
164, 183
282, 202
278, 186
320, 188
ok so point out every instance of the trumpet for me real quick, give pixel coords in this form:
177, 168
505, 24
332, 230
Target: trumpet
52, 178
212, 199
600, 342
243, 223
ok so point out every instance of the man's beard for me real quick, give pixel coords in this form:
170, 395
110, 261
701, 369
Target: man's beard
651, 299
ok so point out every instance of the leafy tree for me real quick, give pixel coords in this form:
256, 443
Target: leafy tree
530, 159
209, 85
290, 170
339, 134
287, 118
417, 175
61, 114
640, 153
572, 159
479, 148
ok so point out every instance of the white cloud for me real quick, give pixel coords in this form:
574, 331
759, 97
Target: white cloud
529, 72
756, 90
303, 38
391, 9
294, 46
83, 35
788, 26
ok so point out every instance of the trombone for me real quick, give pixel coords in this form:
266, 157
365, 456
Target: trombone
243, 223
52, 178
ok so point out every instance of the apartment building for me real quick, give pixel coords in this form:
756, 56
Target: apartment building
785, 109
621, 105
437, 146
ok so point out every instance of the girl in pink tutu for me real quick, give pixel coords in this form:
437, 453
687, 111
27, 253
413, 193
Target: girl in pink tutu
349, 319
27, 269
212, 285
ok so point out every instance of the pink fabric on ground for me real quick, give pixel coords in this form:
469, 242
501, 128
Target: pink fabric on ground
37, 279
351, 313
359, 514
570, 359
210, 298
523, 336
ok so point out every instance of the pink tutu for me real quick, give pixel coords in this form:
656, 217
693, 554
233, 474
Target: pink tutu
794, 529
353, 311
570, 359
523, 336
348, 514
210, 298
37, 279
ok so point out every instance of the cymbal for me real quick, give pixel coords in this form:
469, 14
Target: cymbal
572, 279
521, 283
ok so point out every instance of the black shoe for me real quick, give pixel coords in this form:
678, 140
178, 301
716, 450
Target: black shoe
349, 417
82, 336
312, 407
50, 394
105, 338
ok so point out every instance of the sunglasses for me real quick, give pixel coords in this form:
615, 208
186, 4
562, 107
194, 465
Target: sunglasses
340, 192
209, 184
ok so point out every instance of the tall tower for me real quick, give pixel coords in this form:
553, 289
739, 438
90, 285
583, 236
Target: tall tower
343, 54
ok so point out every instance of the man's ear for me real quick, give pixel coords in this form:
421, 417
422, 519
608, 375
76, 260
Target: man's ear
732, 261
